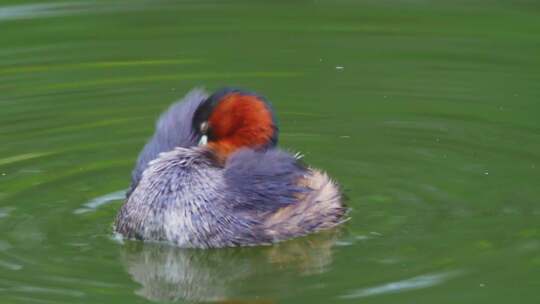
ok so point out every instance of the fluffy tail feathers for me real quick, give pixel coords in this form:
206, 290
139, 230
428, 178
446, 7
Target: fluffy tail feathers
320, 209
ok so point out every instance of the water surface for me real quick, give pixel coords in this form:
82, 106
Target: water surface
426, 112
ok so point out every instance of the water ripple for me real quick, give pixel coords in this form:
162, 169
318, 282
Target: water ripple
29, 11
4, 212
45, 290
97, 202
45, 10
418, 282
21, 157
10, 266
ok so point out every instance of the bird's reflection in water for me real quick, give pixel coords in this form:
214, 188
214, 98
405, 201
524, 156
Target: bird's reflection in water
168, 273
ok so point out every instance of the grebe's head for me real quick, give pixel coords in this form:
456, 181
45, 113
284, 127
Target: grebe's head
231, 119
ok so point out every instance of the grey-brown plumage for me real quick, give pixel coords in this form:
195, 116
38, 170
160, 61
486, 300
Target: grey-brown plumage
193, 197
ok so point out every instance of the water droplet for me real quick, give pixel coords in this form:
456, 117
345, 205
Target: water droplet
339, 67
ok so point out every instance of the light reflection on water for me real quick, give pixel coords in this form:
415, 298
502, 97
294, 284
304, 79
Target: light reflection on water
67, 8
100, 201
28, 11
418, 282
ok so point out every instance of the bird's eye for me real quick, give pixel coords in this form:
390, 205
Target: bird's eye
204, 127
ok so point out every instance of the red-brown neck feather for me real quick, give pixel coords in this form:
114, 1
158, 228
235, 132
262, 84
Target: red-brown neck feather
240, 121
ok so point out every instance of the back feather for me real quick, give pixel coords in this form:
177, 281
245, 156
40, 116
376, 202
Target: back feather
173, 129
263, 180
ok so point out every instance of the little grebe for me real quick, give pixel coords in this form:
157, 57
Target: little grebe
211, 176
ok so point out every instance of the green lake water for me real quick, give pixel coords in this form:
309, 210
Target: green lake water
427, 113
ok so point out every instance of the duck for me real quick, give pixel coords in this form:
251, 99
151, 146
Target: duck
212, 176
